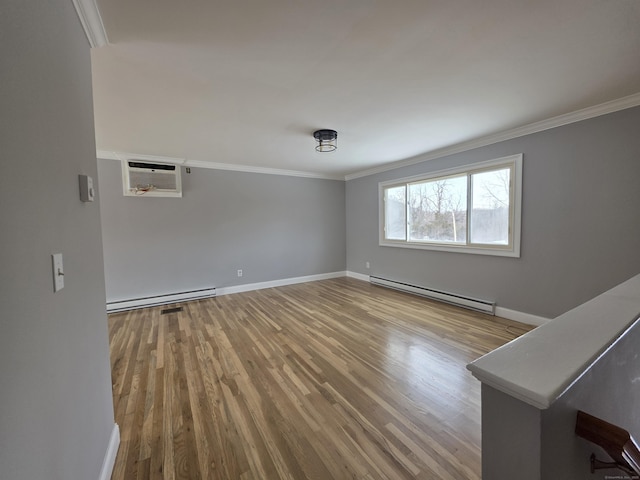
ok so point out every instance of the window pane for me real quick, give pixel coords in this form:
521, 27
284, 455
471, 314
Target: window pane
438, 210
395, 213
490, 207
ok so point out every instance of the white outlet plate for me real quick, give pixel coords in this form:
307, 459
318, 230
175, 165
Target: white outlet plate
239, 273
58, 271
368, 265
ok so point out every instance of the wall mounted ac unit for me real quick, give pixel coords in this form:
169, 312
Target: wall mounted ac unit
151, 179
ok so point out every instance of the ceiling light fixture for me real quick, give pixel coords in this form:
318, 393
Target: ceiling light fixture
327, 140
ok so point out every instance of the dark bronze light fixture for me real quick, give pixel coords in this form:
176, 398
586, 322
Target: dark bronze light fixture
327, 140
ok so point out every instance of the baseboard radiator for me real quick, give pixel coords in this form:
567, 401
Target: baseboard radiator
143, 302
484, 306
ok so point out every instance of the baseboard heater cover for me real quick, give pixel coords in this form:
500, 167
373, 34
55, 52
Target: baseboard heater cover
134, 303
484, 306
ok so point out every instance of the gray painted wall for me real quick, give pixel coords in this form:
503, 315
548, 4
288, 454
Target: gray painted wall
580, 221
56, 410
511, 431
272, 227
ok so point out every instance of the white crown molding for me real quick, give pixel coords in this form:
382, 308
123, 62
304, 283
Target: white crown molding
91, 22
111, 155
264, 170
565, 119
185, 162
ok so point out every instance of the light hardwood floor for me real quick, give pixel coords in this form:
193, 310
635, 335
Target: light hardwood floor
334, 379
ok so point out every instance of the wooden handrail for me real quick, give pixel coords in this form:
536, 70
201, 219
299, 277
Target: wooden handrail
616, 441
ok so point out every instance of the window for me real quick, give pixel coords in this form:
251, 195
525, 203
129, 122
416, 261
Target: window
473, 209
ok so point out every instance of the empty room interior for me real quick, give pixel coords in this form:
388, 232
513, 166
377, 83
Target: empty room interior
331, 240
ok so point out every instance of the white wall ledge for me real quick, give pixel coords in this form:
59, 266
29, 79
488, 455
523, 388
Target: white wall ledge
539, 366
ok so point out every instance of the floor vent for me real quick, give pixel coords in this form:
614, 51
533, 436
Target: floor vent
484, 306
134, 303
170, 310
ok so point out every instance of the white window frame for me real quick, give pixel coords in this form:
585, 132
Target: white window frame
515, 209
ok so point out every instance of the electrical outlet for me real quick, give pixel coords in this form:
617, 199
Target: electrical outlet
239, 273
367, 264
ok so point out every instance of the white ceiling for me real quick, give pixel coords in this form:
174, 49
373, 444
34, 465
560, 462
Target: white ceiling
246, 82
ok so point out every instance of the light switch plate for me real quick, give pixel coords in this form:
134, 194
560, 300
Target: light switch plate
58, 272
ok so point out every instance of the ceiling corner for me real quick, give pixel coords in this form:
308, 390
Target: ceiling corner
91, 22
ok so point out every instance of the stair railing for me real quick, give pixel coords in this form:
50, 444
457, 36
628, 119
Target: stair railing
616, 441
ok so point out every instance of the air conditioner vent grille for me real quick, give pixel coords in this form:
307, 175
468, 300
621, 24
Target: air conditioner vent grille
158, 180
151, 179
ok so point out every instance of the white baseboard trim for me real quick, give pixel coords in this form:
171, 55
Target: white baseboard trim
359, 276
248, 287
521, 317
110, 455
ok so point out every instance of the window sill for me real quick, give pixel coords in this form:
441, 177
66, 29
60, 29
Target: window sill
477, 250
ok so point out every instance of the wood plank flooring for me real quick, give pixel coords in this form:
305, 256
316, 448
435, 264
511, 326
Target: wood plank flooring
335, 379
